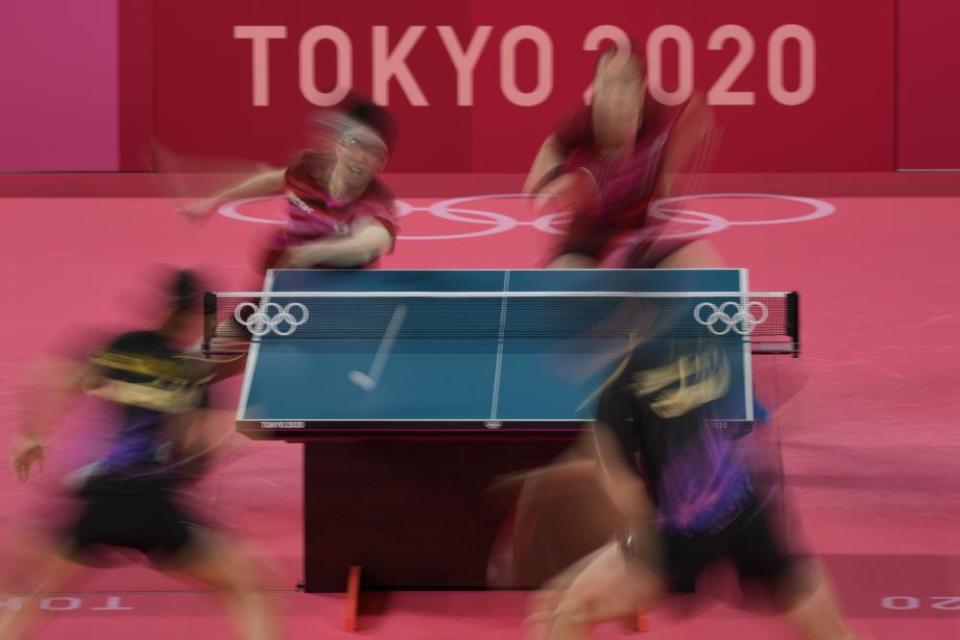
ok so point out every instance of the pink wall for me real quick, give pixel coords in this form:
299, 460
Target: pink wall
58, 78
929, 62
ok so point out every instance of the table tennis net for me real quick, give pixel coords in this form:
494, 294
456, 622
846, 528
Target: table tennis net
770, 321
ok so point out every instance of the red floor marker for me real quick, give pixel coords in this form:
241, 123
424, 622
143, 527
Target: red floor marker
643, 623
638, 624
353, 599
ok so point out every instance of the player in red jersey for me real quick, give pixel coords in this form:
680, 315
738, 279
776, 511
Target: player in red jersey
608, 162
339, 214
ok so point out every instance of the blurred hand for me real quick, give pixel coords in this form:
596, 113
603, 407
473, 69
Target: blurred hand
198, 210
573, 261
570, 192
297, 258
26, 453
557, 195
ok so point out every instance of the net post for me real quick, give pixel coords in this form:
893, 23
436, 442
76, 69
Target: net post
209, 320
793, 321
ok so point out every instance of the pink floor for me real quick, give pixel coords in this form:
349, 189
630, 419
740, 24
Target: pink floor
871, 443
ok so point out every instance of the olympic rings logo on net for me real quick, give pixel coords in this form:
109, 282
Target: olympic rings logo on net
684, 215
270, 316
729, 316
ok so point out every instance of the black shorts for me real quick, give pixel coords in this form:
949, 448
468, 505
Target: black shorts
140, 515
749, 542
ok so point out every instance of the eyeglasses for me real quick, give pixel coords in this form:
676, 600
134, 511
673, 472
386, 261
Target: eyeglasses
374, 147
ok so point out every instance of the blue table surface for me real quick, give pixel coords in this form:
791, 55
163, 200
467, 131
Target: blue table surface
478, 379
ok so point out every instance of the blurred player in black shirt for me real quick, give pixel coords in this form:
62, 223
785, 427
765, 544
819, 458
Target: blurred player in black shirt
155, 396
686, 498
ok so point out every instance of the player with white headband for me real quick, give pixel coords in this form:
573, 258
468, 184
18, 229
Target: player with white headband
339, 214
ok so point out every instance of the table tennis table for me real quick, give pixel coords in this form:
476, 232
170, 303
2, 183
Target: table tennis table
407, 415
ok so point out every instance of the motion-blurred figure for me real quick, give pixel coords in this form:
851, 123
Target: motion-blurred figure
339, 214
685, 497
154, 395
607, 163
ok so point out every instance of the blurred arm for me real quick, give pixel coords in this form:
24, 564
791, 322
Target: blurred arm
548, 158
369, 241
690, 141
623, 485
267, 182
47, 392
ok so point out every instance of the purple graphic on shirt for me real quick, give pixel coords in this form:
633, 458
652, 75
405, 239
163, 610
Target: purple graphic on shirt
703, 483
